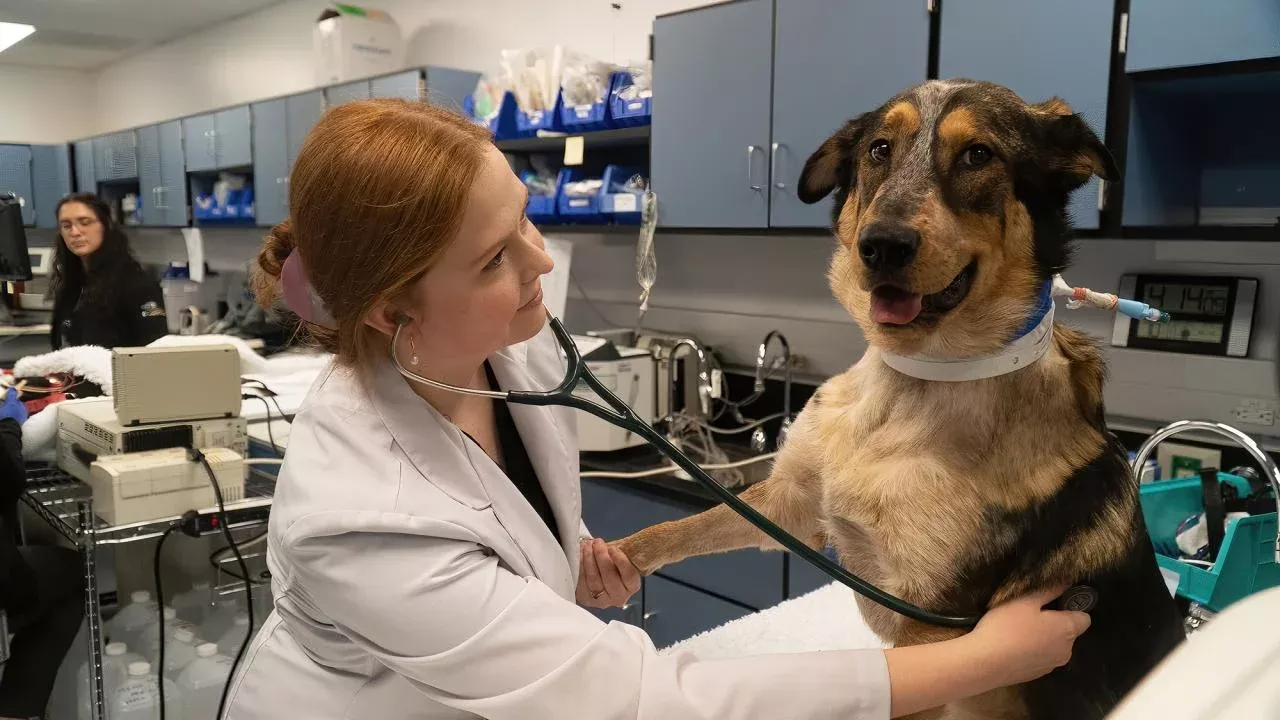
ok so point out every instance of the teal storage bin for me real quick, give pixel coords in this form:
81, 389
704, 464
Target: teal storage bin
1246, 563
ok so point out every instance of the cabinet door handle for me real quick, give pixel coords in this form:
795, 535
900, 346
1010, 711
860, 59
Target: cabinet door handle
751, 168
773, 167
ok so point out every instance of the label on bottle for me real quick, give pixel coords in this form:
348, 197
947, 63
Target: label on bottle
137, 695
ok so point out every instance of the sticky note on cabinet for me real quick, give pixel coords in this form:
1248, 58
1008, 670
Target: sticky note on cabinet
573, 149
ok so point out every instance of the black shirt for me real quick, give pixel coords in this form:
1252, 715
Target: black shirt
519, 467
130, 313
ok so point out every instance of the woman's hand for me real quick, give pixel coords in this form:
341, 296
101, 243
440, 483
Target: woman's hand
606, 578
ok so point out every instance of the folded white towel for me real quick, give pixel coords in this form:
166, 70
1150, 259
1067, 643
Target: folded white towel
90, 362
250, 361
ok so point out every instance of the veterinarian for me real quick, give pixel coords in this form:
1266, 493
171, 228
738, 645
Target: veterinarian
427, 552
101, 295
41, 587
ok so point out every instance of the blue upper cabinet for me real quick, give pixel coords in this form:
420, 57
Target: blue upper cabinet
115, 156
1183, 33
86, 180
336, 95
709, 149
161, 175
449, 87
1059, 49
234, 138
50, 181
405, 85
834, 59
271, 160
199, 142
302, 111
15, 178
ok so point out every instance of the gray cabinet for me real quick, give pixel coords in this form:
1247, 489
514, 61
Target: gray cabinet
709, 147
161, 175
406, 85
115, 157
15, 178
803, 578
746, 91
448, 87
279, 127
336, 95
833, 60
86, 179
50, 181
1181, 33
675, 612
218, 140
1060, 49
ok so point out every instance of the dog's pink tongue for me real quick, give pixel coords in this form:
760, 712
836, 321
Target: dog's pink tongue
894, 308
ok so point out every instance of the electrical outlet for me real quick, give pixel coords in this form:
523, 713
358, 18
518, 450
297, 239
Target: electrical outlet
799, 363
1256, 412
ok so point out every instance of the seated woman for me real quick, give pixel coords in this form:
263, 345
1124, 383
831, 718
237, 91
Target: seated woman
102, 296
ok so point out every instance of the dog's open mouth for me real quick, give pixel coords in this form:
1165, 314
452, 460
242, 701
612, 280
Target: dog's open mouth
892, 305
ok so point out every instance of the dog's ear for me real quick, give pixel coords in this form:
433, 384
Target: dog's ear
1072, 148
832, 164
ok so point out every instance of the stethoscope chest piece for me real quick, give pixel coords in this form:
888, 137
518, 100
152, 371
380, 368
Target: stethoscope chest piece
1080, 598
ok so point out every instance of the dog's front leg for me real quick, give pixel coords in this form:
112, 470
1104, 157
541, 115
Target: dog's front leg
791, 497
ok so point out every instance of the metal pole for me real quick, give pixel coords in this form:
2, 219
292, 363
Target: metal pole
92, 610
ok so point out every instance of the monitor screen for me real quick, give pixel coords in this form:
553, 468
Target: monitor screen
15, 260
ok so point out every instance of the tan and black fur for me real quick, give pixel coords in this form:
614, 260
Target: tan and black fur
958, 495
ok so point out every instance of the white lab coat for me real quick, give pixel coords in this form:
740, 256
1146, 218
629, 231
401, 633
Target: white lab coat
413, 580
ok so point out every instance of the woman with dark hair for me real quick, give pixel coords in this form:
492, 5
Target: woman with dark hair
101, 295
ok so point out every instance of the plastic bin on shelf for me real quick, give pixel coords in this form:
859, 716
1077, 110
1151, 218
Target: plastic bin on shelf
624, 112
238, 208
618, 204
586, 118
1246, 562
529, 123
582, 209
543, 209
503, 125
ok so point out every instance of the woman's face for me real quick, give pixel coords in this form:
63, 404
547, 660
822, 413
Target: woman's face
484, 293
80, 228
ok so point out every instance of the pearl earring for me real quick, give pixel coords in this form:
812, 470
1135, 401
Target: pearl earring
413, 360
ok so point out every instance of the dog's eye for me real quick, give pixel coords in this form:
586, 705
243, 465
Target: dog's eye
879, 151
976, 156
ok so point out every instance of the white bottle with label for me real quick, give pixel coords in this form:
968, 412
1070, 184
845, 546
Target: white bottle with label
202, 681
229, 643
179, 651
116, 659
149, 643
138, 698
128, 625
193, 605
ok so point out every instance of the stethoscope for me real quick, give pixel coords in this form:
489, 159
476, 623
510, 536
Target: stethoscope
620, 415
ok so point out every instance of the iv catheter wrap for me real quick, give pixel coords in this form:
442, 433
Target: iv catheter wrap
1078, 297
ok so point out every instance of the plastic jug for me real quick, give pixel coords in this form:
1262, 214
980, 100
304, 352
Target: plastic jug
221, 616
116, 659
179, 651
138, 698
229, 643
149, 643
202, 681
128, 625
193, 605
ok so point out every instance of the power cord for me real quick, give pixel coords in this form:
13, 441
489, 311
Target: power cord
197, 456
187, 524
270, 435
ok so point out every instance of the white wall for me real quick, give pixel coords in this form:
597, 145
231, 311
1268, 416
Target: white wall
46, 105
269, 52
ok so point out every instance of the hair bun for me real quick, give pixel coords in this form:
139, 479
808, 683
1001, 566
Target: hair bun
276, 248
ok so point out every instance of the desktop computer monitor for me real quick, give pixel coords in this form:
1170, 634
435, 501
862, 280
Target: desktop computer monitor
15, 257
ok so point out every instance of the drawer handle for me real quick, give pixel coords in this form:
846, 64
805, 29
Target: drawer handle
751, 168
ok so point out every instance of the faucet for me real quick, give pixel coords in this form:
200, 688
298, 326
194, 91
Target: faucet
1259, 456
704, 381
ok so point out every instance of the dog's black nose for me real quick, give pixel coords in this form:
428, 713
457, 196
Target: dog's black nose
888, 247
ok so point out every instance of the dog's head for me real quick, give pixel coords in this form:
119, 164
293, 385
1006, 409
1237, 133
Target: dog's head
950, 208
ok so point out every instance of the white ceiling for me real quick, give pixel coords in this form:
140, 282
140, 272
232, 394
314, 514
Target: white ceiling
87, 34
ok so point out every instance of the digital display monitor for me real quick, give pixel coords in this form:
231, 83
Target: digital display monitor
1209, 315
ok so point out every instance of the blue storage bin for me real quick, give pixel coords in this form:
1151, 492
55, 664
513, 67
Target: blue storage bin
238, 209
617, 203
529, 123
543, 209
578, 209
585, 118
503, 125
627, 113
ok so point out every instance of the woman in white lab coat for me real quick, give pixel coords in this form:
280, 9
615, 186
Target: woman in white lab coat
426, 548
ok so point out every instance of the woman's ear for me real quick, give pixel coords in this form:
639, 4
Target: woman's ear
385, 317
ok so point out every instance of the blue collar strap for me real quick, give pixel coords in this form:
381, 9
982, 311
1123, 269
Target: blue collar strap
1043, 303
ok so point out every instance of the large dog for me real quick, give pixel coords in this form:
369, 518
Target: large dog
956, 495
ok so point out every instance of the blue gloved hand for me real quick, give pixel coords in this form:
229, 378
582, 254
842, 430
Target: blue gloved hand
13, 407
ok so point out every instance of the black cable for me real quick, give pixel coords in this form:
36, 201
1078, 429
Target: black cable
270, 394
270, 435
198, 456
155, 568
